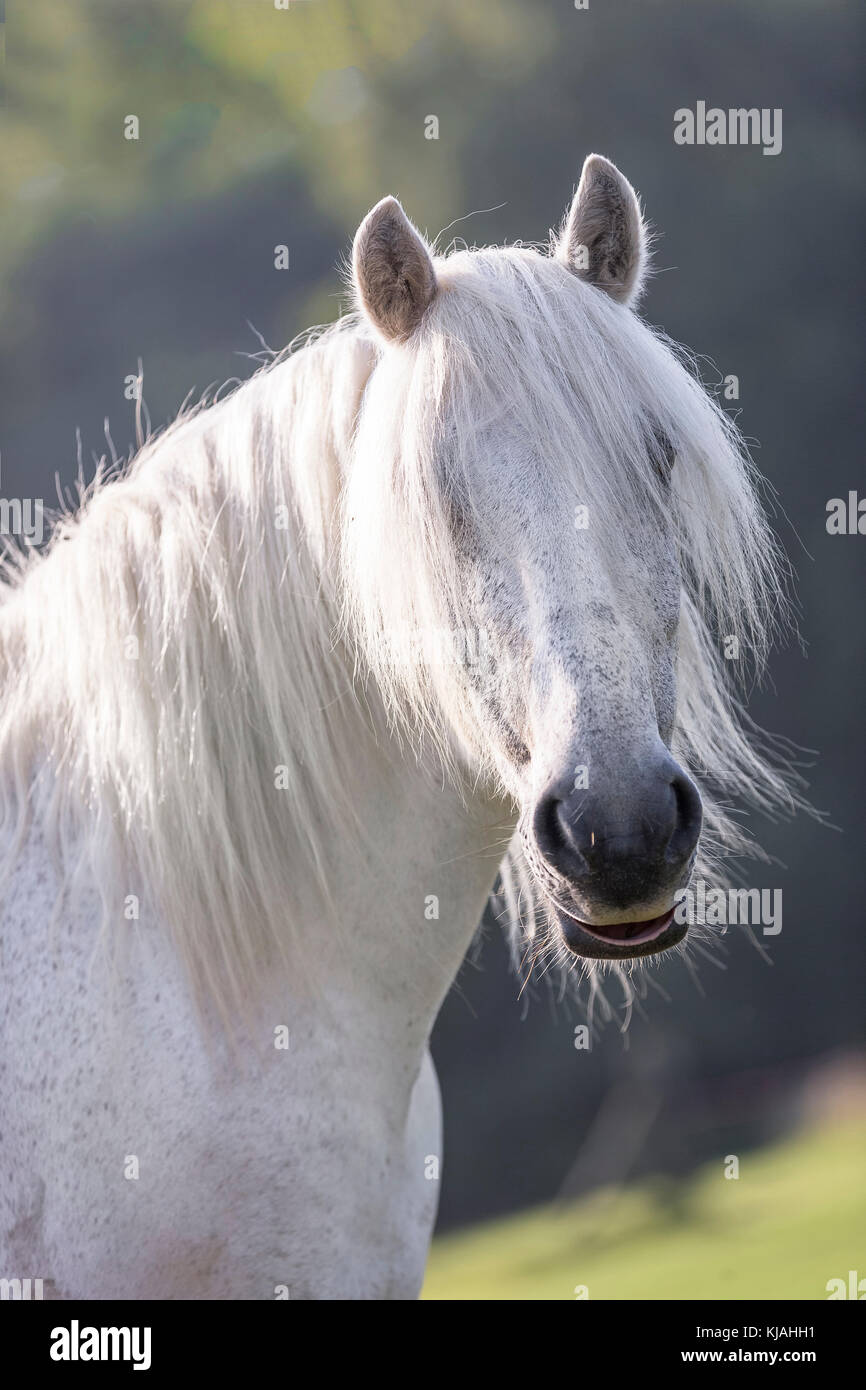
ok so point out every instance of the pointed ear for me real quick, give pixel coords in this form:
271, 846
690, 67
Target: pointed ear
604, 239
393, 272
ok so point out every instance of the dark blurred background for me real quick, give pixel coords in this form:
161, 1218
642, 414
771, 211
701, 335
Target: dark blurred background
261, 127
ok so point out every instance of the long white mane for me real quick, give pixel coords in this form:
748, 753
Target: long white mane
200, 626
174, 653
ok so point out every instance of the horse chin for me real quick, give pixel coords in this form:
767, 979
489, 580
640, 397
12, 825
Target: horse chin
621, 940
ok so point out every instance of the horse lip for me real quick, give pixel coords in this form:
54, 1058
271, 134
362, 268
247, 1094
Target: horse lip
630, 932
620, 940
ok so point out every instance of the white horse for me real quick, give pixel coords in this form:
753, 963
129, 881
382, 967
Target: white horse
448, 584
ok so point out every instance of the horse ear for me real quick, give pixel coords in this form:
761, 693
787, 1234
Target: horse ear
604, 239
393, 272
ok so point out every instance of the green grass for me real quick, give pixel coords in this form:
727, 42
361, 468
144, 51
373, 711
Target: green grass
794, 1218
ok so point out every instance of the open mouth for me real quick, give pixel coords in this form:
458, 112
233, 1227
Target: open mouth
621, 940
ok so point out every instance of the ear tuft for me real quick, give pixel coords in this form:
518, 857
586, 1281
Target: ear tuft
393, 271
604, 240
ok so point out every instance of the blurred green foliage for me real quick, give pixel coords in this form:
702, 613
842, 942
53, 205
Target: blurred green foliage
793, 1219
225, 88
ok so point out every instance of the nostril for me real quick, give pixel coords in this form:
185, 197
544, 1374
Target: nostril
547, 827
569, 820
557, 832
689, 815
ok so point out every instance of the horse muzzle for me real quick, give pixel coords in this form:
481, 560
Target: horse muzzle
612, 865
